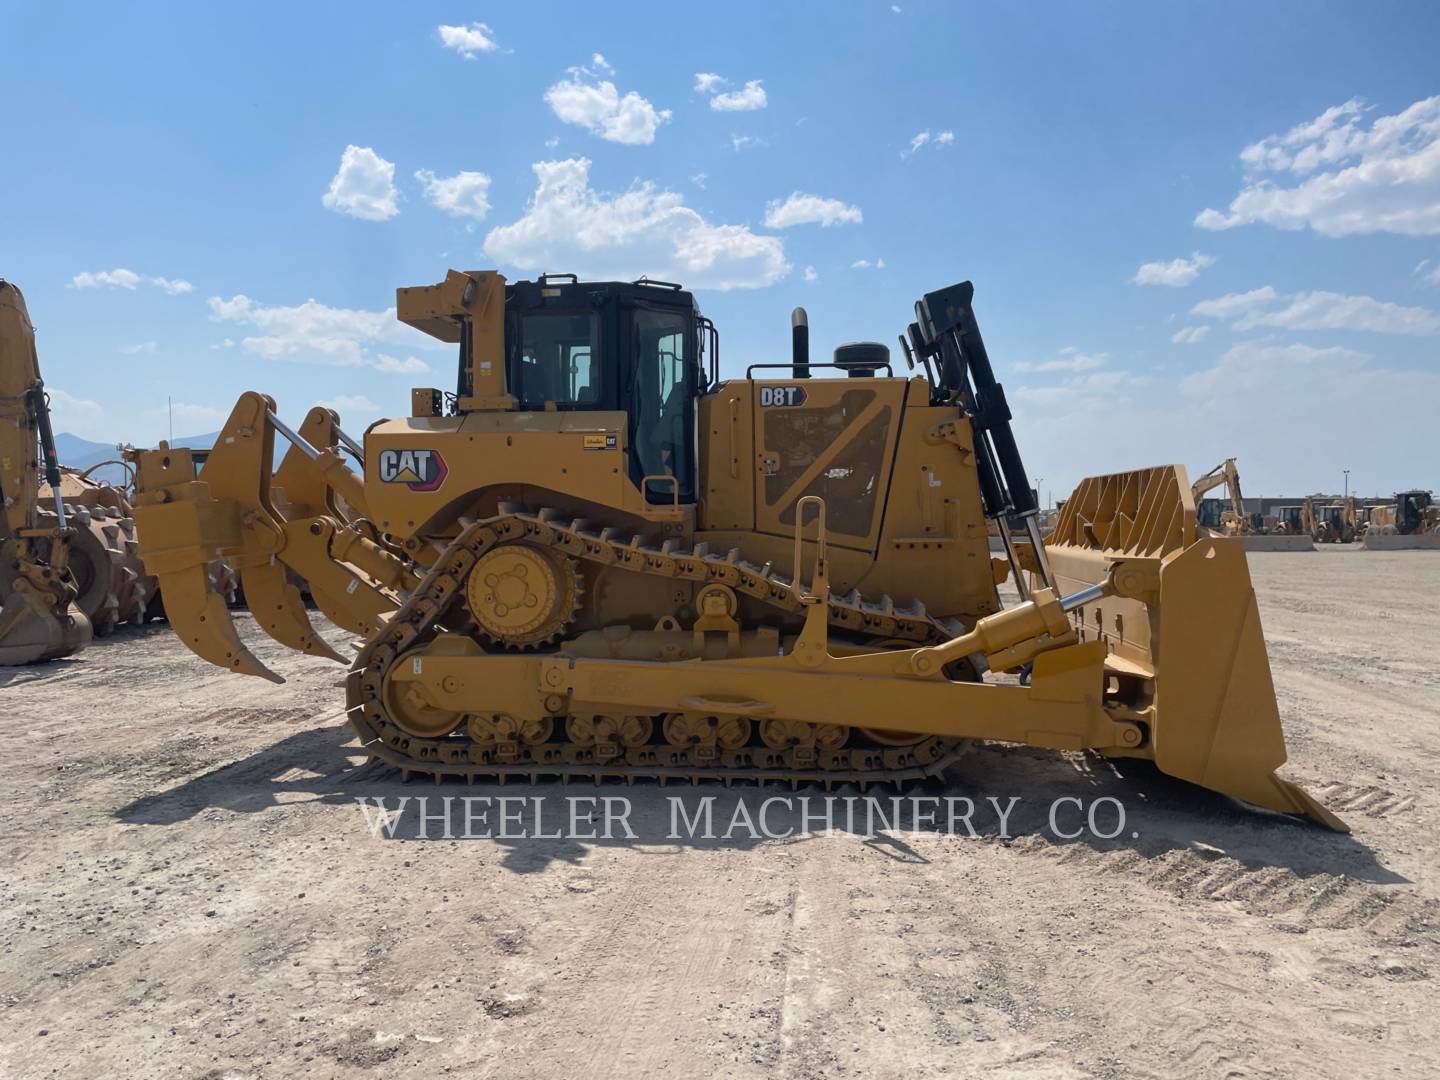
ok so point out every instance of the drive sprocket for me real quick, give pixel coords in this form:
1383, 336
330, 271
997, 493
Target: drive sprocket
522, 596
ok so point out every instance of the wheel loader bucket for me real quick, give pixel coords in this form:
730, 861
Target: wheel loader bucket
1183, 630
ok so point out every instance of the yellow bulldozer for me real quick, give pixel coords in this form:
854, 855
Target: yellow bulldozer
599, 559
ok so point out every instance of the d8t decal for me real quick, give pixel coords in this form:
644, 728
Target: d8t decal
781, 396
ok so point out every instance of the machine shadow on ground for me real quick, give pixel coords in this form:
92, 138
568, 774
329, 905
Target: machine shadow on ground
324, 764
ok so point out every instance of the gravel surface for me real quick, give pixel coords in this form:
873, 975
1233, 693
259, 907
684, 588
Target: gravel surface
189, 888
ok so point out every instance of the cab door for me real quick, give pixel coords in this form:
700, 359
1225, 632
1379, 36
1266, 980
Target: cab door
829, 437
662, 385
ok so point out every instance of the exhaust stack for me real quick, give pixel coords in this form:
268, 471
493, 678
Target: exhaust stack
800, 343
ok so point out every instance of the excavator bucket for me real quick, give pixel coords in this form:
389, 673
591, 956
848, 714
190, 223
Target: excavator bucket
31, 632
1185, 629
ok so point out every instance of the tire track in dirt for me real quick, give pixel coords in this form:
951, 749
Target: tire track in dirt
1316, 901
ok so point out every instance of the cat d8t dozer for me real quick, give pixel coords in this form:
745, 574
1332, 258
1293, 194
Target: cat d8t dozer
599, 559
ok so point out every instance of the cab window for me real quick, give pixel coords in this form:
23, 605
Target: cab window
556, 357
663, 416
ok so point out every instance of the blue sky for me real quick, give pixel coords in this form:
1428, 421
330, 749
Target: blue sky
177, 187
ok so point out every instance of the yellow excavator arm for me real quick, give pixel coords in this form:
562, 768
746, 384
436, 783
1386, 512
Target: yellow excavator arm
1234, 519
38, 620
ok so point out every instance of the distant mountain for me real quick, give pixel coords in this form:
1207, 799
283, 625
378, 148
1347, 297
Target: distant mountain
77, 453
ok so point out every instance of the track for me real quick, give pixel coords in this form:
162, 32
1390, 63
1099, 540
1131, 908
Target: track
421, 617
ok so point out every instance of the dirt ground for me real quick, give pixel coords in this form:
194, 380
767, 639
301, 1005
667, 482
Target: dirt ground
188, 888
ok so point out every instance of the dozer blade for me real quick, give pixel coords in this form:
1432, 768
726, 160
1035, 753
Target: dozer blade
31, 633
1218, 721
1184, 633
280, 611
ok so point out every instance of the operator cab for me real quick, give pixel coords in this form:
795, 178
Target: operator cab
1410, 509
633, 347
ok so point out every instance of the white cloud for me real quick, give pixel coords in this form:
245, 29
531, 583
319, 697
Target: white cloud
1428, 275
1190, 335
236, 308
1087, 385
228, 343
639, 231
1246, 402
923, 138
1250, 364
363, 187
468, 40
77, 416
1070, 359
866, 264
1175, 273
746, 142
351, 403
203, 417
394, 365
895, 8
599, 63
810, 274
316, 333
745, 100
1233, 305
802, 209
140, 347
1351, 179
1262, 392
750, 97
599, 108
1337, 311
464, 195
1318, 310
699, 178
116, 279
128, 279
